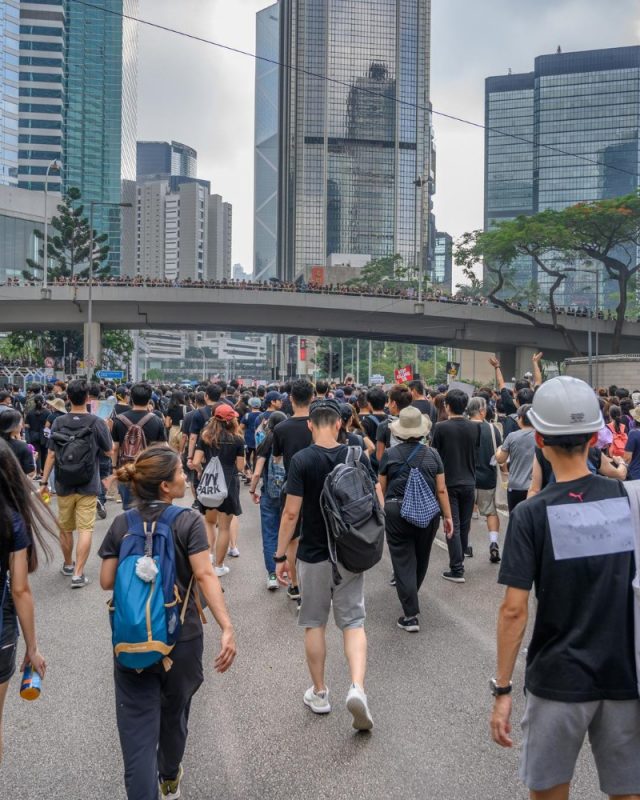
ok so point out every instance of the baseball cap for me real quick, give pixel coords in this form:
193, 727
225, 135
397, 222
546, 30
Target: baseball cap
271, 397
224, 411
255, 402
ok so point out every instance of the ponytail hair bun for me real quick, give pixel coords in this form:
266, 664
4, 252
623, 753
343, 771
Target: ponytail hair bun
126, 473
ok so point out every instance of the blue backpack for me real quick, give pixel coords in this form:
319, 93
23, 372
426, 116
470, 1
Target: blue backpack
145, 614
419, 505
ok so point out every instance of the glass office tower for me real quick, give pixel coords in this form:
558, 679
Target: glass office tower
9, 82
265, 216
155, 159
100, 119
353, 146
585, 104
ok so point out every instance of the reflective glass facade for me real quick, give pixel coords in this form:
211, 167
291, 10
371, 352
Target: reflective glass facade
265, 219
352, 147
586, 104
443, 264
17, 243
155, 159
100, 109
42, 30
9, 92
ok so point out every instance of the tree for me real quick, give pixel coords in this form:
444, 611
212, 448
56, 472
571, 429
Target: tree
117, 347
69, 243
389, 270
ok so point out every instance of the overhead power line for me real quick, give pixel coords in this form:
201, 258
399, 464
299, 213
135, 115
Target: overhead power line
350, 86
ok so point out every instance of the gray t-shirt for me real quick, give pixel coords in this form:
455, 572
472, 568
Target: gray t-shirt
521, 447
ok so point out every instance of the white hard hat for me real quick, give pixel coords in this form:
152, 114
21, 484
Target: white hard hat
565, 406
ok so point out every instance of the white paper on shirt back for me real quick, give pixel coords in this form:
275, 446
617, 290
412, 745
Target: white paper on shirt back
601, 528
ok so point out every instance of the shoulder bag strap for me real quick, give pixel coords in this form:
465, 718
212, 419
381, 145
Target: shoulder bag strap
495, 449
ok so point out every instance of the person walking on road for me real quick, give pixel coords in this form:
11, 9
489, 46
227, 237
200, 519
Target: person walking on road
487, 472
574, 541
75, 444
519, 449
305, 481
23, 520
153, 704
410, 545
456, 440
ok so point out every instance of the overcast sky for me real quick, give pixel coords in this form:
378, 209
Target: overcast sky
203, 96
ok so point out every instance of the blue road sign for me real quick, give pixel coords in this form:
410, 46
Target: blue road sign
110, 375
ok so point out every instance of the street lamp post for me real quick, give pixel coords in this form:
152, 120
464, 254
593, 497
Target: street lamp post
92, 204
595, 311
53, 167
64, 352
420, 183
204, 364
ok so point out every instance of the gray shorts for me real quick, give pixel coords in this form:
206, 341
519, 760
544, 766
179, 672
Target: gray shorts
318, 592
486, 502
553, 734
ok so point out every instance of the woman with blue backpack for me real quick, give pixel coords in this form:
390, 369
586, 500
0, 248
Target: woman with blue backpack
273, 475
156, 561
412, 479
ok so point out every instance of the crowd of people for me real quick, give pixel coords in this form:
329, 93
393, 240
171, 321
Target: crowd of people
336, 469
432, 294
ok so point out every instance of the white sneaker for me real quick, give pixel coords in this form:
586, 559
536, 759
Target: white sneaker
233, 552
359, 708
223, 570
272, 582
318, 702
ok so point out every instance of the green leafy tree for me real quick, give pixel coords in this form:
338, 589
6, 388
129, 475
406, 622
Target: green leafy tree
117, 347
386, 270
69, 243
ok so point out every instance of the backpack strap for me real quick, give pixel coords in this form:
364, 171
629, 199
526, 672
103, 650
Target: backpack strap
125, 421
409, 458
145, 419
353, 454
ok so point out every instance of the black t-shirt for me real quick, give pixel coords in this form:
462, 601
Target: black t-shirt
187, 421
486, 473
582, 648
305, 478
176, 414
23, 454
289, 437
227, 451
508, 403
36, 420
371, 423
153, 428
397, 461
457, 440
121, 408
200, 419
190, 537
427, 408
74, 421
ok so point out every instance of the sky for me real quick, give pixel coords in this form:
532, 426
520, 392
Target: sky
203, 96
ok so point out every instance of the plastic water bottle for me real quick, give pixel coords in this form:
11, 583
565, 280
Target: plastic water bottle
31, 683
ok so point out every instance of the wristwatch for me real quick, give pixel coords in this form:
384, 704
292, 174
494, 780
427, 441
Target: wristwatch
279, 559
498, 691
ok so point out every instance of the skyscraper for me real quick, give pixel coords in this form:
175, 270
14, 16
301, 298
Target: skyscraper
578, 116
352, 147
100, 120
161, 159
42, 37
9, 82
265, 221
219, 239
443, 262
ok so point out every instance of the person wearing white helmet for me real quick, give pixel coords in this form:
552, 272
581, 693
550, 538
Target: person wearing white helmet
574, 541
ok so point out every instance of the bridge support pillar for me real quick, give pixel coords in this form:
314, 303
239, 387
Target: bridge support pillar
515, 362
92, 346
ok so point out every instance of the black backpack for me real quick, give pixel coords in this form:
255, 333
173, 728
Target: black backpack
75, 449
353, 516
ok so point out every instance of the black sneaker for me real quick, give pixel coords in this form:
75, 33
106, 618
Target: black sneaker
409, 624
101, 511
293, 593
468, 552
454, 577
494, 553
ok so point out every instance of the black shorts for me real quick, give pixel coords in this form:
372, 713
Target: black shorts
8, 640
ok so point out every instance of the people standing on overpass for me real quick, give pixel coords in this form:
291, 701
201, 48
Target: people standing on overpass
153, 704
575, 542
409, 544
487, 472
519, 449
23, 520
456, 440
77, 480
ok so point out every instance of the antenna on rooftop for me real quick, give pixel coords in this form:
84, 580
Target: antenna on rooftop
559, 50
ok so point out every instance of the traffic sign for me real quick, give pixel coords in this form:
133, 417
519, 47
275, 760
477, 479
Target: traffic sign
49, 362
110, 375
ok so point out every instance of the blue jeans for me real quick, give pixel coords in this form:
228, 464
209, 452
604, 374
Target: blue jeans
125, 494
270, 524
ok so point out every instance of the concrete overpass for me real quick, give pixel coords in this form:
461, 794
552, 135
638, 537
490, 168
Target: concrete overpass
468, 327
